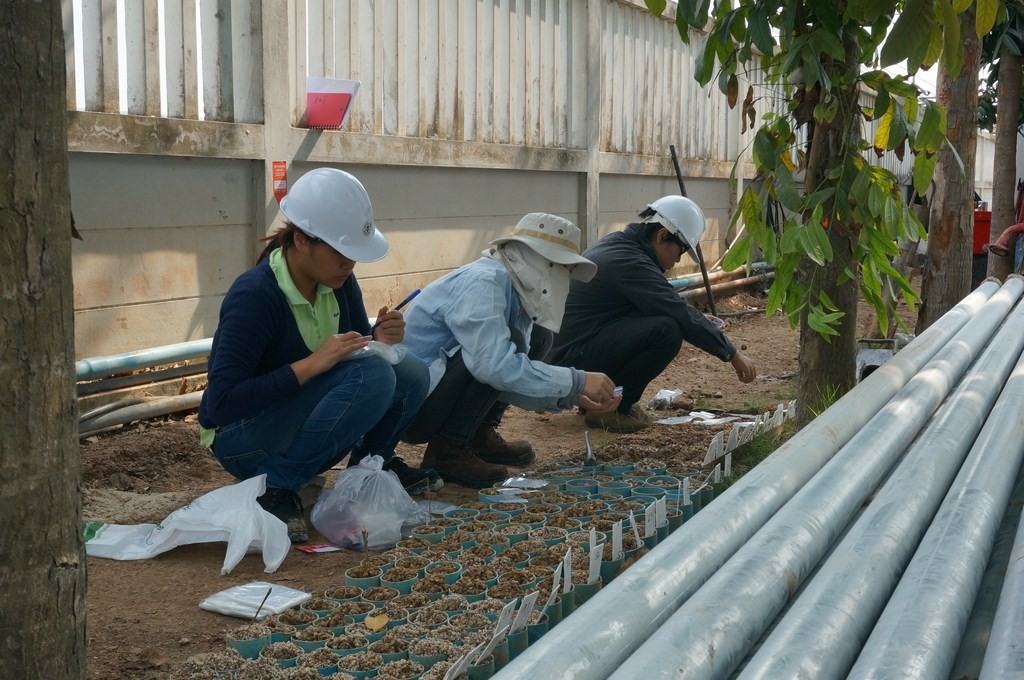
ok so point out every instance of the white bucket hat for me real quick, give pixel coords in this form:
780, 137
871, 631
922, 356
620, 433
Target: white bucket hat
553, 238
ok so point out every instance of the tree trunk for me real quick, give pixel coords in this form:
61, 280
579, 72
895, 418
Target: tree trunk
827, 367
946, 276
42, 564
1004, 176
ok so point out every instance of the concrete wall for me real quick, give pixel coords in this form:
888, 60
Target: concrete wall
470, 114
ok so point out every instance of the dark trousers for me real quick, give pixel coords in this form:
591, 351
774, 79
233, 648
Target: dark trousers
631, 351
460, 403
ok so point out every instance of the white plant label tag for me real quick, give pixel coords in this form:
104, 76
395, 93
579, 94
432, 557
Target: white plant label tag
636, 532
554, 589
523, 615
596, 553
661, 511
486, 651
728, 465
717, 477
460, 666
617, 540
567, 563
686, 491
505, 616
649, 520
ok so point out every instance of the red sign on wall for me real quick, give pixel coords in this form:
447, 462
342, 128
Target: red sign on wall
280, 170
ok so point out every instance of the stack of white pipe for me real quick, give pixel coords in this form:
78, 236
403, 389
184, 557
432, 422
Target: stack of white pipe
697, 605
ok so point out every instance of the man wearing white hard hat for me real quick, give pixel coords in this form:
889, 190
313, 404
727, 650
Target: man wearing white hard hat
474, 328
292, 385
628, 321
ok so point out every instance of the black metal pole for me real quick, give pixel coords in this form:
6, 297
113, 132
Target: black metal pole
696, 246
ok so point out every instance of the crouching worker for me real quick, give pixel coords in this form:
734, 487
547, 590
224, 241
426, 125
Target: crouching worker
287, 394
474, 328
628, 321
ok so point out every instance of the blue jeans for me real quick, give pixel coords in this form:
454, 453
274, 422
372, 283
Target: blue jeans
361, 406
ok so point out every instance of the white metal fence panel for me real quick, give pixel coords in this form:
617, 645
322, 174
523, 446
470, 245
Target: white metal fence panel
193, 59
501, 71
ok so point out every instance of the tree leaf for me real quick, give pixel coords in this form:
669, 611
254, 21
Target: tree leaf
732, 90
932, 130
765, 155
819, 237
824, 41
705, 61
882, 100
934, 50
760, 30
875, 201
656, 7
683, 25
739, 254
792, 240
924, 168
956, 156
868, 11
952, 51
986, 16
911, 29
884, 126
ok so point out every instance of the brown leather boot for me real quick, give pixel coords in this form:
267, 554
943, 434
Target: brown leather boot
491, 447
458, 463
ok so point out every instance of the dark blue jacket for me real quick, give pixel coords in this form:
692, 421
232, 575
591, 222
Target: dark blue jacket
256, 342
630, 283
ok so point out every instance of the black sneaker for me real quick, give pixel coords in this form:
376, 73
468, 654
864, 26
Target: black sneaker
414, 480
286, 506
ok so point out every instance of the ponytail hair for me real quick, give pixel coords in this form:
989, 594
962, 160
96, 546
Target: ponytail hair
283, 238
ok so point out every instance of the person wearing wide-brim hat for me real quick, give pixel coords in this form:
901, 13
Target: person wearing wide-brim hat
483, 330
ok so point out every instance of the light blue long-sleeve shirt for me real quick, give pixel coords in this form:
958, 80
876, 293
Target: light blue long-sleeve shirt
473, 309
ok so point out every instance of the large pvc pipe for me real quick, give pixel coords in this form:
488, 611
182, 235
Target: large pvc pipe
711, 633
148, 409
837, 609
614, 622
727, 286
691, 280
1004, 654
919, 631
973, 643
100, 367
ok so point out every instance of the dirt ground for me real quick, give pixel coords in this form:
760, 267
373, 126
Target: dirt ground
143, 616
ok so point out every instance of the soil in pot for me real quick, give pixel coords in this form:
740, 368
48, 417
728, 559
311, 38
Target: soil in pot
402, 669
360, 661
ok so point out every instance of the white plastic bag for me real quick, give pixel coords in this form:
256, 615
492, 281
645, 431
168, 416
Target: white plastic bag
229, 514
366, 498
389, 353
254, 600
663, 399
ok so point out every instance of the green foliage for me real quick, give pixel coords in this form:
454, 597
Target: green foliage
820, 52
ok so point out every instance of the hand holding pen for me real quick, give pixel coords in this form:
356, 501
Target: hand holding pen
390, 325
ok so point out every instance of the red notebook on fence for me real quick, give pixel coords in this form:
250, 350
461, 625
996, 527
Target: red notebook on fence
327, 102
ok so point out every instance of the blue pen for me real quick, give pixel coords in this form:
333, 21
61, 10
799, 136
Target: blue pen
401, 304
407, 300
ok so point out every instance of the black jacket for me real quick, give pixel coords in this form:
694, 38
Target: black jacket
630, 283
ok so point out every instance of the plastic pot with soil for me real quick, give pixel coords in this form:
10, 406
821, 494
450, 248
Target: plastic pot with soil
248, 640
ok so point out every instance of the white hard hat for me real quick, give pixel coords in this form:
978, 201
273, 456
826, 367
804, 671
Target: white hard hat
680, 216
333, 206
